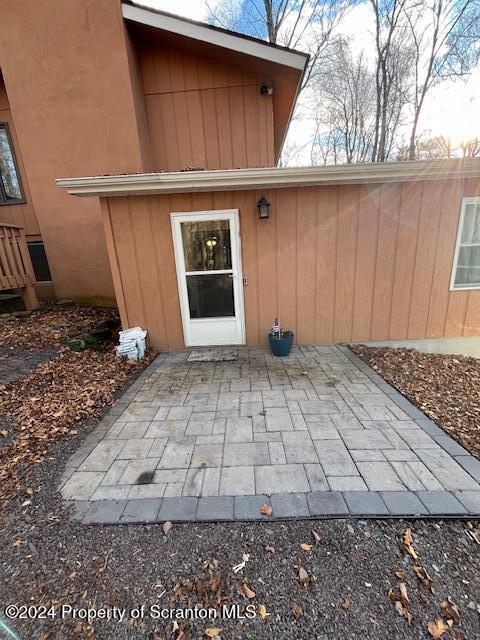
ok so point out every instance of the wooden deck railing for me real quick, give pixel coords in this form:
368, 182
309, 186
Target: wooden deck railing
16, 271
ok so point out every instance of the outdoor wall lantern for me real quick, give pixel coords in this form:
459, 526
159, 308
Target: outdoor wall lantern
263, 208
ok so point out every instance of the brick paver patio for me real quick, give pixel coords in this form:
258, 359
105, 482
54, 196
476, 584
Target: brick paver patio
315, 434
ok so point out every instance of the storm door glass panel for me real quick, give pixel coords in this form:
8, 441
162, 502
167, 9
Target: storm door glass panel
211, 296
208, 268
206, 245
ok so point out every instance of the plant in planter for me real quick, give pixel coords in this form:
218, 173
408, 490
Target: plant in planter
280, 340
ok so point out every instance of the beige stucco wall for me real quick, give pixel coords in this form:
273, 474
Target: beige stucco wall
67, 76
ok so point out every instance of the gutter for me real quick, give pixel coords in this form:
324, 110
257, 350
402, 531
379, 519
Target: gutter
271, 177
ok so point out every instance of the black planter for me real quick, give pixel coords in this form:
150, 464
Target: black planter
281, 347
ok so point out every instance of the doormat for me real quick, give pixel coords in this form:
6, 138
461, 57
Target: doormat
213, 355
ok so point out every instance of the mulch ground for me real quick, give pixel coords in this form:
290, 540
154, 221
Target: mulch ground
373, 579
445, 387
50, 401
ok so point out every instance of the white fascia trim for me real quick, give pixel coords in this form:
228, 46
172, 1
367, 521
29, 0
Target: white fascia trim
218, 38
273, 177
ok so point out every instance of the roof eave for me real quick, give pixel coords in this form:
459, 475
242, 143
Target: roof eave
274, 177
216, 36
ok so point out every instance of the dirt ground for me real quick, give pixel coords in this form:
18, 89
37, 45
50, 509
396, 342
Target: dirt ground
350, 587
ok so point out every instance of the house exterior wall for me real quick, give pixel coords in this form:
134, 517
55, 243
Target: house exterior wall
21, 214
334, 263
67, 73
203, 113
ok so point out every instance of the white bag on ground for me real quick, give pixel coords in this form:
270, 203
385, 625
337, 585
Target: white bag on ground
132, 343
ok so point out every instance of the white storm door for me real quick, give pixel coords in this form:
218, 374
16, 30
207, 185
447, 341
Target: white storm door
209, 271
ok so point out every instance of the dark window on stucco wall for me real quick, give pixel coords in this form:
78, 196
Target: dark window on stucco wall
10, 185
39, 261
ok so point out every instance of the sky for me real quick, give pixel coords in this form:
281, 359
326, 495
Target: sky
450, 110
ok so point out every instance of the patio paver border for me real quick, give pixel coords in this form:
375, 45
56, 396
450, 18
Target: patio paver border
318, 505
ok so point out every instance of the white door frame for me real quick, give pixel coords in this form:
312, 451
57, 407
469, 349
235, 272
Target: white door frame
191, 216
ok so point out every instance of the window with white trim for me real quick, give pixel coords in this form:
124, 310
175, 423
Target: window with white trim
466, 264
10, 187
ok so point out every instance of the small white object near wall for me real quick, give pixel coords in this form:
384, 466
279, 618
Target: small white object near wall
132, 343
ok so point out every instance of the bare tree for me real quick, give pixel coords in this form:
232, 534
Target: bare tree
440, 147
445, 36
345, 108
392, 70
470, 148
305, 24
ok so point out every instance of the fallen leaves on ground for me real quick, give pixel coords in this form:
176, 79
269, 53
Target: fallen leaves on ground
472, 533
402, 601
406, 544
303, 577
445, 387
316, 537
51, 401
423, 576
346, 603
47, 328
262, 611
266, 510
436, 628
212, 632
248, 592
167, 527
450, 611
305, 546
297, 610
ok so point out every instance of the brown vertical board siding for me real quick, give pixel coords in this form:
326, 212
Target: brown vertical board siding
202, 113
307, 214
366, 250
267, 264
286, 216
387, 245
222, 103
160, 209
448, 308
237, 119
251, 126
332, 262
127, 262
222, 107
114, 261
170, 128
147, 268
184, 138
410, 209
327, 204
439, 294
347, 238
425, 258
153, 105
472, 316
